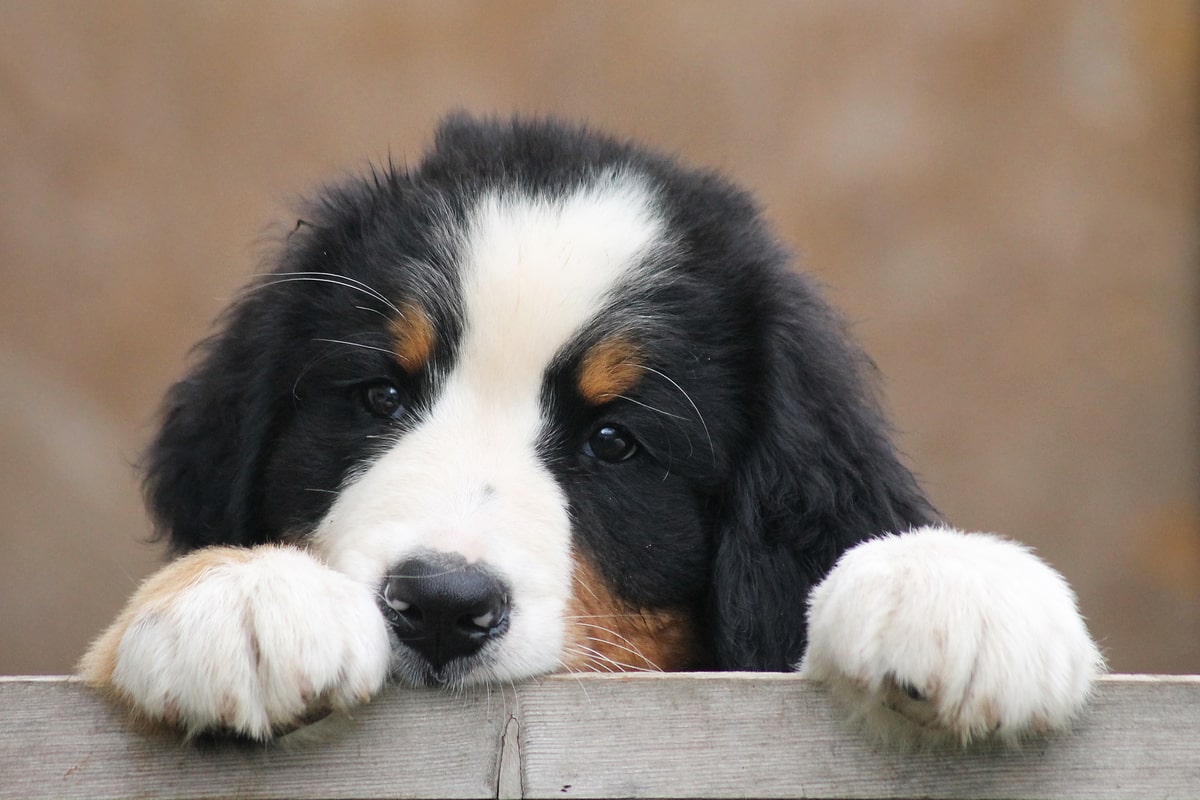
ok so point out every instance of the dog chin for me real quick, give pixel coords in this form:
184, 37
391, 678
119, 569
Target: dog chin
492, 666
412, 670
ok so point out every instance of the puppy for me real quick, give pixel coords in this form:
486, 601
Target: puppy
549, 401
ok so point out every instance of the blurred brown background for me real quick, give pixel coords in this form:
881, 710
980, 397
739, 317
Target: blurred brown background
1001, 195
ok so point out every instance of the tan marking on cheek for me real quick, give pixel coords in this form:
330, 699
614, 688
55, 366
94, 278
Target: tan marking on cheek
610, 368
100, 661
604, 634
414, 337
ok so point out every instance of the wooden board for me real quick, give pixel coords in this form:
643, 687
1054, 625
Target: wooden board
699, 735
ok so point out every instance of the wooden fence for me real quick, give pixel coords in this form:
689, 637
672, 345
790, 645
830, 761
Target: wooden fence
699, 735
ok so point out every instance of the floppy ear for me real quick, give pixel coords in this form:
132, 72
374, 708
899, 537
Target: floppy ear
819, 475
203, 469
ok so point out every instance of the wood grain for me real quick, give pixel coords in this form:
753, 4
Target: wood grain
697, 735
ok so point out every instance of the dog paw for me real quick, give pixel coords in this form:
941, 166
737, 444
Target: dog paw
253, 642
938, 634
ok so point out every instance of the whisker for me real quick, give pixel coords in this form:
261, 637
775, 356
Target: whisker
356, 344
596, 660
345, 282
633, 651
590, 590
609, 631
316, 359
512, 685
448, 571
691, 402
631, 615
600, 659
366, 287
649, 407
566, 668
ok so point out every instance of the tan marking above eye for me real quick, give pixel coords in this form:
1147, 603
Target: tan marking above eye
414, 337
609, 369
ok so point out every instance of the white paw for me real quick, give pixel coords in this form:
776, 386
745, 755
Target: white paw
937, 634
251, 641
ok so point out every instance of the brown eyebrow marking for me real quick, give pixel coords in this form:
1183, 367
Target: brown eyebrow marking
414, 336
608, 369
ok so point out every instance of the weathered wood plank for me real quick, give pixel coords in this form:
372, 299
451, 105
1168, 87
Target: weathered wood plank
58, 740
709, 735
777, 736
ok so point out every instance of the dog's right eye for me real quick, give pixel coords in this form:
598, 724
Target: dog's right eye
611, 443
383, 400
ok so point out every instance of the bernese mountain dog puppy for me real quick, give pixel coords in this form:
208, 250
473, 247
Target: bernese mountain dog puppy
548, 401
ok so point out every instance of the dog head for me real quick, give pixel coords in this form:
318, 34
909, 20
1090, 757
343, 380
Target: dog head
560, 401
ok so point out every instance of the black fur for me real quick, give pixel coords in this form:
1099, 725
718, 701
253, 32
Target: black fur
734, 513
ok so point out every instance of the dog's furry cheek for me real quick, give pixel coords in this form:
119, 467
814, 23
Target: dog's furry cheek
251, 641
606, 635
939, 634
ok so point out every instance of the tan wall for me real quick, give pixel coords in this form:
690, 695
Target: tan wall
1003, 196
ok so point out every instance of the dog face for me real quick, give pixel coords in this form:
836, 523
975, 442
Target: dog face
546, 404
558, 400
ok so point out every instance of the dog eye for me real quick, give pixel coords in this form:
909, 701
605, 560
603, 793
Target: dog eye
610, 443
383, 400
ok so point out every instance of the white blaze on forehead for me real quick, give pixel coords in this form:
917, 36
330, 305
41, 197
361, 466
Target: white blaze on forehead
535, 270
467, 478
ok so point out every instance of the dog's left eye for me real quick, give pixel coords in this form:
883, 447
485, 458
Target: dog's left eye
610, 443
383, 400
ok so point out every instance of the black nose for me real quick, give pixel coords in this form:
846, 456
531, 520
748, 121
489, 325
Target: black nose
445, 611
